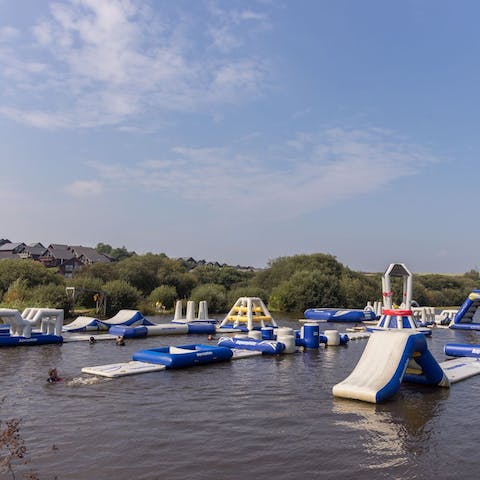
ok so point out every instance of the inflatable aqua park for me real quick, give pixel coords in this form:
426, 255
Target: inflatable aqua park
468, 316
34, 326
339, 315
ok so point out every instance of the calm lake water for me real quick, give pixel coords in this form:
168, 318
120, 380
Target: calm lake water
256, 418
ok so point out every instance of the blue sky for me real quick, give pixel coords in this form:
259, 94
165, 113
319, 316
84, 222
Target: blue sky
244, 131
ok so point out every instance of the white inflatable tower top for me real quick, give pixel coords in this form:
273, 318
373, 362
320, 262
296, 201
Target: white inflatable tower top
397, 270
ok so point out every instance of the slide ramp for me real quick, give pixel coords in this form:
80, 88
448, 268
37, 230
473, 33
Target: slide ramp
84, 324
127, 317
123, 317
381, 369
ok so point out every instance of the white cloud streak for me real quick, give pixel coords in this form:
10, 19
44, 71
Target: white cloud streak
309, 172
84, 188
106, 62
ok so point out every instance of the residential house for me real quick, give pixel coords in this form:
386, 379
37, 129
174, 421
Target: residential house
11, 250
33, 251
62, 257
89, 255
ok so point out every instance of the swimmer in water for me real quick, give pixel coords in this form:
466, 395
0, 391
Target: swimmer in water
120, 342
91, 340
53, 376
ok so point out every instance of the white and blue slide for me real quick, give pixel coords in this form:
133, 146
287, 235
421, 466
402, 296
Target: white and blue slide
384, 363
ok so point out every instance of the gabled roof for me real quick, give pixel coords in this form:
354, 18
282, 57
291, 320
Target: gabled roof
61, 252
35, 249
89, 254
9, 247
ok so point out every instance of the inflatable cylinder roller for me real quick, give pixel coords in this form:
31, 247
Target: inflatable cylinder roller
200, 328
462, 350
311, 335
267, 333
333, 337
286, 336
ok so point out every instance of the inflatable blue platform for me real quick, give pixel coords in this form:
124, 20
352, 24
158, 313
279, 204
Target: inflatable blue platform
468, 317
184, 356
339, 315
269, 347
7, 340
172, 328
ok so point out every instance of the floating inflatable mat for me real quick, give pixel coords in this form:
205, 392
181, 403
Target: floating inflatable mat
271, 347
123, 369
184, 356
338, 315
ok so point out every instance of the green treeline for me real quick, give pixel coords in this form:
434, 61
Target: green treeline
145, 282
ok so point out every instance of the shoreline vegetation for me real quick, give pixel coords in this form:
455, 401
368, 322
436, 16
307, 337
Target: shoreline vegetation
152, 283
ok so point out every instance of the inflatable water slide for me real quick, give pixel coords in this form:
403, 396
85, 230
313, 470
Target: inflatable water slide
468, 317
123, 317
384, 364
394, 356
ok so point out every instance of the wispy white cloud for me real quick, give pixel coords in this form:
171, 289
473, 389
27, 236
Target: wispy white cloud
226, 29
309, 172
106, 62
84, 188
8, 33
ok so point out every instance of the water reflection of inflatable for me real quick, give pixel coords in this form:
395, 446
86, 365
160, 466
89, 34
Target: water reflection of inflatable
388, 431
